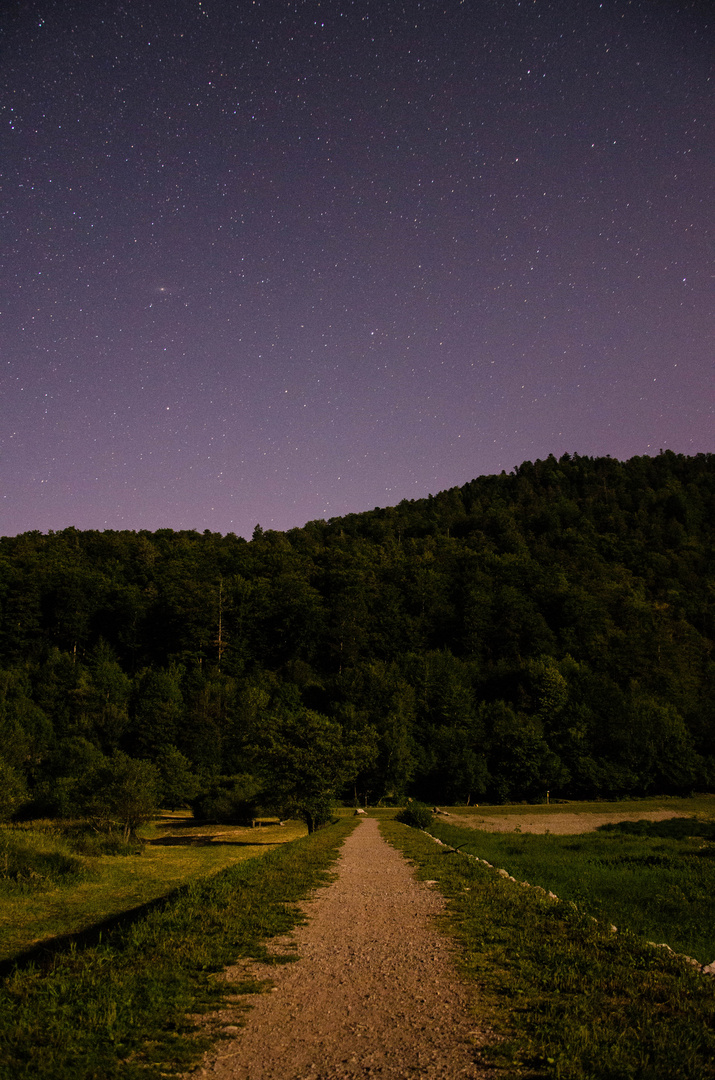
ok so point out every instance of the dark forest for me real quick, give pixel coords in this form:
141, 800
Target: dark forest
547, 630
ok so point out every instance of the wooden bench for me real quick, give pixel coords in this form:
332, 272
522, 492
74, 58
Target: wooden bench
259, 821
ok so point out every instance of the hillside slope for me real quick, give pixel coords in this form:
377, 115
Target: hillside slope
548, 629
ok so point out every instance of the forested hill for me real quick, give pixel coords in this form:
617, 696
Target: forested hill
548, 629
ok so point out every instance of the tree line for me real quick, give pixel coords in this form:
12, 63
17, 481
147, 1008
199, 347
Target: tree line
548, 629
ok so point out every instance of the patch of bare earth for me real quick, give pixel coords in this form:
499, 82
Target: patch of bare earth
374, 992
562, 824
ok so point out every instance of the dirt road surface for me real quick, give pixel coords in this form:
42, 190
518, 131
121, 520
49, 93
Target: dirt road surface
374, 994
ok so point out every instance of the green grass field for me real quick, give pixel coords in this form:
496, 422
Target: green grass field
569, 999
656, 879
176, 853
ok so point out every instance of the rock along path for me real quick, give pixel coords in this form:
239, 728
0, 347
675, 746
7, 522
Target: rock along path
374, 993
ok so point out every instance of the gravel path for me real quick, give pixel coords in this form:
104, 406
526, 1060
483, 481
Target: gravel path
374, 993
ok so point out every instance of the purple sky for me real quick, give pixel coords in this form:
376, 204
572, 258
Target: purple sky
270, 261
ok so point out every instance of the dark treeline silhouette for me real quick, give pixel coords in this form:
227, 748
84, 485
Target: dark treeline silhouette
550, 629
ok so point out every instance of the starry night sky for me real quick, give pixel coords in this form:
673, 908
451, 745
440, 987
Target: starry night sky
272, 261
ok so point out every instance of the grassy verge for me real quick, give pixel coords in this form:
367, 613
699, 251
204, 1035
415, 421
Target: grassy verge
572, 1000
657, 879
67, 893
119, 1009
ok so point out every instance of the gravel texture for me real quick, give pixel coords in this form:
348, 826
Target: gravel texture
374, 992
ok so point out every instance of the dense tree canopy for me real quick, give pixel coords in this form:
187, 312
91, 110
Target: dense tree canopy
550, 629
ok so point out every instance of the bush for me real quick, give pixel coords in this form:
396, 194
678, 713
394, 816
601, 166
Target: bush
88, 838
13, 791
231, 800
417, 817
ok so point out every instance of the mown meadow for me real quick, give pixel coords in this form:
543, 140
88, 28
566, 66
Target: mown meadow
61, 878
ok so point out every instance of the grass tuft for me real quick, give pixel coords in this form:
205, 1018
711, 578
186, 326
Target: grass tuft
33, 859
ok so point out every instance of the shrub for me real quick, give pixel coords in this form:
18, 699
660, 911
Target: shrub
417, 817
86, 837
231, 800
13, 791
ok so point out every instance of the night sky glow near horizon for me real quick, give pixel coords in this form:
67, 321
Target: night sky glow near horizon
274, 261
